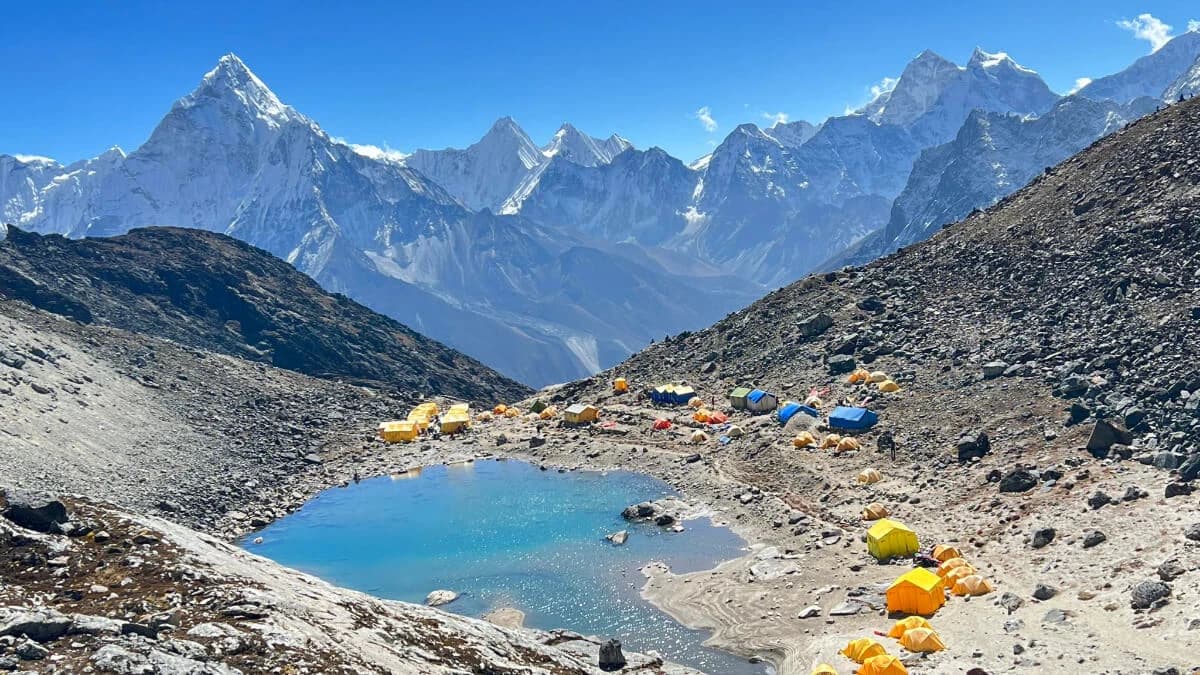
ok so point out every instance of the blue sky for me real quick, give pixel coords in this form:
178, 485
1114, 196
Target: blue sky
82, 76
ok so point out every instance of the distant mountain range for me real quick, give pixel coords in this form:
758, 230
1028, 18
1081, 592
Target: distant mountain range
550, 262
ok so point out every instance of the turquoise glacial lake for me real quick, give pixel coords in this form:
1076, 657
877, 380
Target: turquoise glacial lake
506, 534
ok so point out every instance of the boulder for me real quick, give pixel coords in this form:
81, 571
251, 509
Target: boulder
1192, 532
972, 446
611, 657
994, 369
1018, 480
35, 511
618, 538
1105, 435
841, 363
1149, 594
1177, 489
1100, 499
41, 625
815, 325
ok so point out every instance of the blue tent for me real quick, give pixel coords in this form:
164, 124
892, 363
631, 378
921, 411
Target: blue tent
852, 419
761, 401
790, 409
681, 395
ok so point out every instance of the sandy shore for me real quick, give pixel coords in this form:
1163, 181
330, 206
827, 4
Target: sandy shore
508, 617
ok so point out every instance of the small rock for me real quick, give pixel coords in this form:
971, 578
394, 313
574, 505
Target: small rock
1043, 537
440, 597
1170, 570
1011, 601
29, 650
1094, 538
994, 369
1044, 592
618, 538
1018, 480
1148, 594
1105, 435
1177, 489
1192, 532
810, 612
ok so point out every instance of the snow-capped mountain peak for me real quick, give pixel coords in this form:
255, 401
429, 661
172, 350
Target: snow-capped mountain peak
575, 146
988, 61
792, 134
232, 81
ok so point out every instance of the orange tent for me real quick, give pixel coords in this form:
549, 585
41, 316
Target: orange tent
958, 573
950, 564
874, 511
922, 640
906, 624
803, 440
944, 552
972, 585
884, 664
717, 418
848, 443
862, 649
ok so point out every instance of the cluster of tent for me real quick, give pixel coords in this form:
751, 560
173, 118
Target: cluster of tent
672, 394
753, 400
407, 430
879, 378
914, 634
456, 419
959, 576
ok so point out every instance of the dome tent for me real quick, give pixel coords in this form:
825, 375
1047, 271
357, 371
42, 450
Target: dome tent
917, 591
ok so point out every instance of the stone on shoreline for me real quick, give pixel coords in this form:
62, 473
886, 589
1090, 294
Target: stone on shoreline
440, 597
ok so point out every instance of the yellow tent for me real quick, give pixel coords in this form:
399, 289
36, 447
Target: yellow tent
701, 415
512, 412
831, 441
862, 649
620, 384
957, 573
859, 376
814, 401
581, 414
972, 585
888, 386
848, 443
884, 664
824, 669
879, 376
735, 432
500, 409
548, 412
396, 432
461, 408
699, 436
950, 564
803, 440
922, 640
868, 476
874, 511
944, 552
906, 624
890, 538
918, 591
485, 416
695, 402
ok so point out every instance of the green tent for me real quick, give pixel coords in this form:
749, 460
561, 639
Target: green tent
737, 397
538, 406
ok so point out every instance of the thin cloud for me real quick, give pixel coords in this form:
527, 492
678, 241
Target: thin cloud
372, 151
704, 114
776, 118
884, 86
1080, 83
1149, 28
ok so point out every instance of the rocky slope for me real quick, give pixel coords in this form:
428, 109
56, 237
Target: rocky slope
213, 292
158, 426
